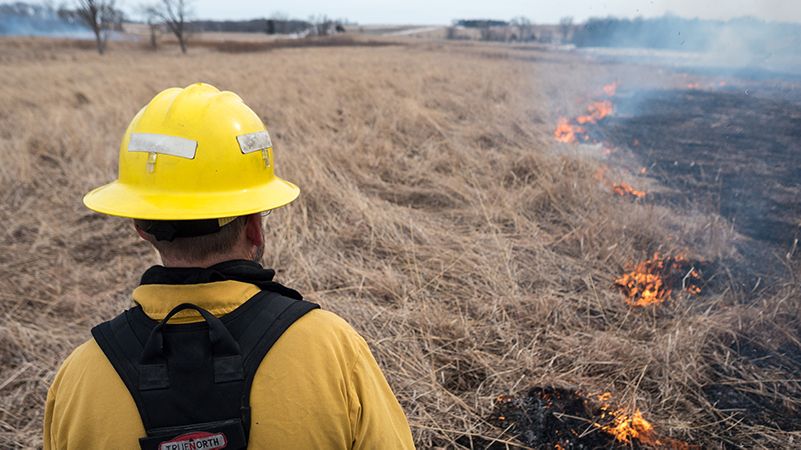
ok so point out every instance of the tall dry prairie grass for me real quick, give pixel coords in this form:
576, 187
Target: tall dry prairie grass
437, 216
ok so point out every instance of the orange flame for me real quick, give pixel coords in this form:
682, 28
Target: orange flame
646, 284
622, 189
596, 111
567, 132
627, 427
610, 89
693, 85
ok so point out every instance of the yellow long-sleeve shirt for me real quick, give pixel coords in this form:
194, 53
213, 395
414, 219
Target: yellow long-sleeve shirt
319, 387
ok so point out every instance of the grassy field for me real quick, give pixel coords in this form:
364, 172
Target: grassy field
438, 215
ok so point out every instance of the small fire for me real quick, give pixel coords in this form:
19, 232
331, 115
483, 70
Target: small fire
653, 280
596, 111
567, 413
610, 89
623, 189
693, 85
626, 427
571, 131
567, 132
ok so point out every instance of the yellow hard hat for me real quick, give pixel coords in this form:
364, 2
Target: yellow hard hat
194, 153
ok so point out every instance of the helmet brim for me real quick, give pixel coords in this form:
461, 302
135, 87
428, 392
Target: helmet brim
121, 200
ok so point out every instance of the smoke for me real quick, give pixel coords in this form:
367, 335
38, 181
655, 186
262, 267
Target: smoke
25, 19
737, 43
750, 43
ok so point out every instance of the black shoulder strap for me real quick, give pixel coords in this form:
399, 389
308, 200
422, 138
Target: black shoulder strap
257, 340
123, 349
266, 317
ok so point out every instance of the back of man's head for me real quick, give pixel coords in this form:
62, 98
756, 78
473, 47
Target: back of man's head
225, 243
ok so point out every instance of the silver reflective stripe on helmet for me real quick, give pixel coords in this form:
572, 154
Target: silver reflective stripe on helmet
254, 142
162, 144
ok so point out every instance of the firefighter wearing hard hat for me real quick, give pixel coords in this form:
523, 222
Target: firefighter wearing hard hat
213, 353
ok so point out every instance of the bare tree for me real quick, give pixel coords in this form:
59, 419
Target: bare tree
485, 32
174, 14
153, 27
101, 16
321, 25
565, 26
153, 21
524, 27
277, 23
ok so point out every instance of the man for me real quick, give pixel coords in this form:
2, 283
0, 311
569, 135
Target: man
214, 354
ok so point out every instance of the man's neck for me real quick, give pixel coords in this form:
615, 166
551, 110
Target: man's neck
201, 263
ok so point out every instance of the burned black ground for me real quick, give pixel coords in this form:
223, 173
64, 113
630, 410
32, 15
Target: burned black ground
730, 151
550, 417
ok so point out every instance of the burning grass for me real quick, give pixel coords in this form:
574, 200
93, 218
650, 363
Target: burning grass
624, 189
567, 132
561, 418
473, 259
572, 131
653, 280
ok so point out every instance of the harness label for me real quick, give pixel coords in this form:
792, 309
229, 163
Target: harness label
199, 440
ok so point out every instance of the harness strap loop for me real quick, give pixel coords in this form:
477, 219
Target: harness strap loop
227, 358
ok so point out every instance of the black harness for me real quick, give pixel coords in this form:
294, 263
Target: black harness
191, 382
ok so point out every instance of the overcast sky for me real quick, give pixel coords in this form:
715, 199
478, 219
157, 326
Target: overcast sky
443, 11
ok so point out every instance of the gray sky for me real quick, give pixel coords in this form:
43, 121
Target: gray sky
442, 11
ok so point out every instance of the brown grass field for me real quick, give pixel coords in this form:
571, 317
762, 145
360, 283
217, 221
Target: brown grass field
438, 215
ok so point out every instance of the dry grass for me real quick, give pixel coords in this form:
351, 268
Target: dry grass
436, 217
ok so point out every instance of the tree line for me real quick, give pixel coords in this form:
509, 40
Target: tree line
518, 29
105, 17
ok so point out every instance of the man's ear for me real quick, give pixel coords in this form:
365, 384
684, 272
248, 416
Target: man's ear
253, 230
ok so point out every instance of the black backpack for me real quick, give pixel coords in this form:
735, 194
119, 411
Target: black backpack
191, 382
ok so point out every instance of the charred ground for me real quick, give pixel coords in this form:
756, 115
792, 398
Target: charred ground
732, 151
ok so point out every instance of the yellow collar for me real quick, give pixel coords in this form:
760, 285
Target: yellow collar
219, 298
